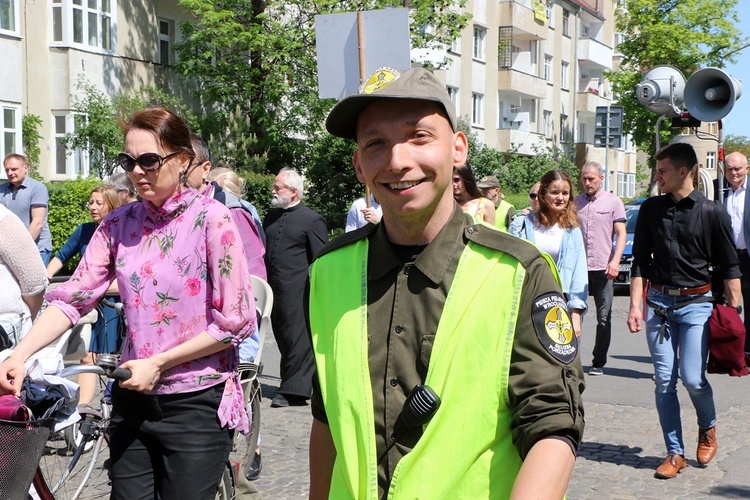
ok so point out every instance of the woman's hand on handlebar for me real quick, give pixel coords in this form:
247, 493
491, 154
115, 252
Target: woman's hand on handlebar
145, 374
12, 373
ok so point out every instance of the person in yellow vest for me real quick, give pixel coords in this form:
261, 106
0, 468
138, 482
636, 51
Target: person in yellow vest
504, 211
429, 298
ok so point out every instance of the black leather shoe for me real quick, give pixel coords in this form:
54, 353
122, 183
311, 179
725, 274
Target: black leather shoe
279, 401
282, 401
255, 467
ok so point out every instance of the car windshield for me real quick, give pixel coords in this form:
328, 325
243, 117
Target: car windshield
632, 215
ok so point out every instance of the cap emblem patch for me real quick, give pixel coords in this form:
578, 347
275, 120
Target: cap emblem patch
379, 80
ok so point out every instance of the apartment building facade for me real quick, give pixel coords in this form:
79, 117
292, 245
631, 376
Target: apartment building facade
527, 74
48, 46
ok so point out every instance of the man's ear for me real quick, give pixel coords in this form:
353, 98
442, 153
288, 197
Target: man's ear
357, 167
460, 149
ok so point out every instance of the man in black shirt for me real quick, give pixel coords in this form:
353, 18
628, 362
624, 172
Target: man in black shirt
677, 237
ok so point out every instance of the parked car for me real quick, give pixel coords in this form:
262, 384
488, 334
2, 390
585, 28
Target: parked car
626, 262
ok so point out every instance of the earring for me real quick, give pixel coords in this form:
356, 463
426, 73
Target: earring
183, 177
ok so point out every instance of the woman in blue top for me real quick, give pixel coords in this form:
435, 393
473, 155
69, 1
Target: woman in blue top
103, 199
554, 229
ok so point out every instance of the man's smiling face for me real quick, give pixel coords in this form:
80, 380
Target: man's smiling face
406, 151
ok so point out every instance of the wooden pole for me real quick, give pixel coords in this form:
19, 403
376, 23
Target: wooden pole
362, 76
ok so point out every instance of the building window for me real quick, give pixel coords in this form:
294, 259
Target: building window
453, 94
8, 13
456, 46
625, 185
71, 164
565, 132
711, 160
582, 132
476, 108
10, 130
547, 125
550, 10
480, 35
564, 70
548, 67
566, 22
166, 40
85, 22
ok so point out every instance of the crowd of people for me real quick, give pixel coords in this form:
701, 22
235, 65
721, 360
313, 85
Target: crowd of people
381, 315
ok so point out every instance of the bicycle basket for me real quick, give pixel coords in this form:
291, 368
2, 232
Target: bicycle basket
21, 448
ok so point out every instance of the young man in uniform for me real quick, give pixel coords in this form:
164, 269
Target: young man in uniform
677, 236
504, 211
415, 300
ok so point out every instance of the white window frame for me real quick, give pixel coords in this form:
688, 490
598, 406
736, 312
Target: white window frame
565, 75
477, 111
566, 23
64, 13
711, 160
14, 18
548, 67
169, 38
453, 94
550, 10
547, 124
479, 50
76, 162
564, 127
456, 46
625, 185
15, 130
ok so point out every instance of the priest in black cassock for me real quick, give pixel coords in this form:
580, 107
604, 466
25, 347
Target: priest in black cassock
294, 234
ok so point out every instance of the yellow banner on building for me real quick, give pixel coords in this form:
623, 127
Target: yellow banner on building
540, 11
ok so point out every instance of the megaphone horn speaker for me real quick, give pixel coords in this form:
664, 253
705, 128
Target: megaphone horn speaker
710, 94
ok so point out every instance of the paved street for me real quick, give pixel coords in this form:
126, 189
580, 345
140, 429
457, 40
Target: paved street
623, 443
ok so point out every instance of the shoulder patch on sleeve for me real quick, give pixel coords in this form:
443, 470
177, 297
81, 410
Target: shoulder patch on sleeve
553, 326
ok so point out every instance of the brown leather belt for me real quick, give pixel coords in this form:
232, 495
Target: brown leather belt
681, 292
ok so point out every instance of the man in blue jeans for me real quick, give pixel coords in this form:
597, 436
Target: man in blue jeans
677, 236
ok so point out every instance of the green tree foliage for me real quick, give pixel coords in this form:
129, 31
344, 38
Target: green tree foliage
98, 125
67, 209
739, 143
516, 172
332, 183
258, 57
686, 34
258, 190
30, 125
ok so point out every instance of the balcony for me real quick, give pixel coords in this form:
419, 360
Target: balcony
530, 86
524, 141
520, 15
593, 53
586, 102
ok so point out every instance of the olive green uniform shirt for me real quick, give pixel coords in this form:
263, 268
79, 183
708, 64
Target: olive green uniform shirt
404, 304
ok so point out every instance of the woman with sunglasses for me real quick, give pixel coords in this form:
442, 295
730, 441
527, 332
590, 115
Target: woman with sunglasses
467, 195
553, 227
102, 200
182, 274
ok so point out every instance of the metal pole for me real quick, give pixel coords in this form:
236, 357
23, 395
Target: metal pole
720, 167
606, 152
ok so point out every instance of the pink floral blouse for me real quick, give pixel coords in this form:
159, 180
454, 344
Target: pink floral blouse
181, 270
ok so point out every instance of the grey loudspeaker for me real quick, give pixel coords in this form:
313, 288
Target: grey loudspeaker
661, 90
710, 94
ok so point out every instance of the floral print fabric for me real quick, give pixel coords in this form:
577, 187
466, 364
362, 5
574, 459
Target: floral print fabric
181, 270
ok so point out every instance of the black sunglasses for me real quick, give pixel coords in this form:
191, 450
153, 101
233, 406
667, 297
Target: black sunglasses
532, 196
149, 162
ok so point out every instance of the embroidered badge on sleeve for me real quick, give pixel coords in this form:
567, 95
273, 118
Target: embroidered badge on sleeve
553, 326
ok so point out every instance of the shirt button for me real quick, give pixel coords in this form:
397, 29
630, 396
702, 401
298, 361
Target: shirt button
394, 382
407, 269
399, 329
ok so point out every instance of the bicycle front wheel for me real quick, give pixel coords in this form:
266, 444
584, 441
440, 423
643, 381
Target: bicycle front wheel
79, 470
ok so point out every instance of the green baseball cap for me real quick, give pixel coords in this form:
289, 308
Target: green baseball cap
388, 83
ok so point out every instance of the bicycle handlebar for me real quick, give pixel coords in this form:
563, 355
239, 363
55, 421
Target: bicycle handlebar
117, 373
